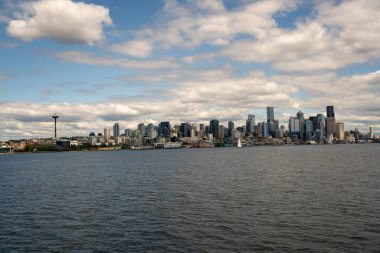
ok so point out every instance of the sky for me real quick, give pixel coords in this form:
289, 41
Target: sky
97, 62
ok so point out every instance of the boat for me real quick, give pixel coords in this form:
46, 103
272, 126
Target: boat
239, 143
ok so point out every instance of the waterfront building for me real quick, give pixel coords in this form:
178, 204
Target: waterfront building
151, 131
340, 131
214, 128
330, 126
116, 130
371, 135
107, 134
128, 132
185, 129
276, 124
201, 127
264, 129
164, 129
141, 128
294, 127
330, 111
221, 132
231, 126
270, 114
320, 117
308, 130
301, 117
250, 124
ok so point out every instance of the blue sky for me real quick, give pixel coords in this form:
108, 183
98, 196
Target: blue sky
100, 62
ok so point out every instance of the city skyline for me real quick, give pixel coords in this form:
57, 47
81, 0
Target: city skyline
137, 62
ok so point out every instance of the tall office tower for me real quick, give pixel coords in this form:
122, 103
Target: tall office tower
339, 128
231, 126
301, 118
141, 128
320, 117
207, 130
250, 124
271, 129
264, 129
270, 114
185, 129
214, 127
164, 129
196, 127
330, 111
308, 129
116, 130
294, 126
151, 131
107, 134
201, 127
276, 124
128, 132
371, 135
321, 127
221, 132
330, 126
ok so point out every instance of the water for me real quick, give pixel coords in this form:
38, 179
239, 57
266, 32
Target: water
282, 199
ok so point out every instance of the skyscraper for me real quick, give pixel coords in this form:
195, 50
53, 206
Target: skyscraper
214, 128
250, 124
116, 130
164, 129
107, 134
294, 126
339, 128
330, 111
270, 114
141, 128
264, 129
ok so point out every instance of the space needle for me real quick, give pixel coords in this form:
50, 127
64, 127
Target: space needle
55, 117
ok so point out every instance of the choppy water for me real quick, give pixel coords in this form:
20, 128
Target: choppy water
282, 199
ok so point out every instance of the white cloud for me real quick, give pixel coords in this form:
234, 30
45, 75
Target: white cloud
60, 20
92, 59
136, 48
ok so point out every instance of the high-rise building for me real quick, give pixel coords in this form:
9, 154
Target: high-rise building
321, 117
214, 128
294, 126
164, 129
151, 131
276, 124
330, 127
250, 124
141, 128
185, 129
308, 130
116, 130
107, 134
339, 129
128, 132
201, 127
270, 114
330, 111
264, 129
231, 126
371, 135
301, 118
221, 132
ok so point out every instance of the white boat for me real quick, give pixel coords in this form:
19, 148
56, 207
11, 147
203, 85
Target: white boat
239, 143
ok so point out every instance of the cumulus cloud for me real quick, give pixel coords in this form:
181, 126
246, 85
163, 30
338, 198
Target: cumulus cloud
60, 20
107, 61
136, 48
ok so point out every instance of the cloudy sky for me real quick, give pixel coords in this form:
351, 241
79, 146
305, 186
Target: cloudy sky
97, 62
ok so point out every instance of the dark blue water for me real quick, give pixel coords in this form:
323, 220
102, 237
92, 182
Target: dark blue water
282, 199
